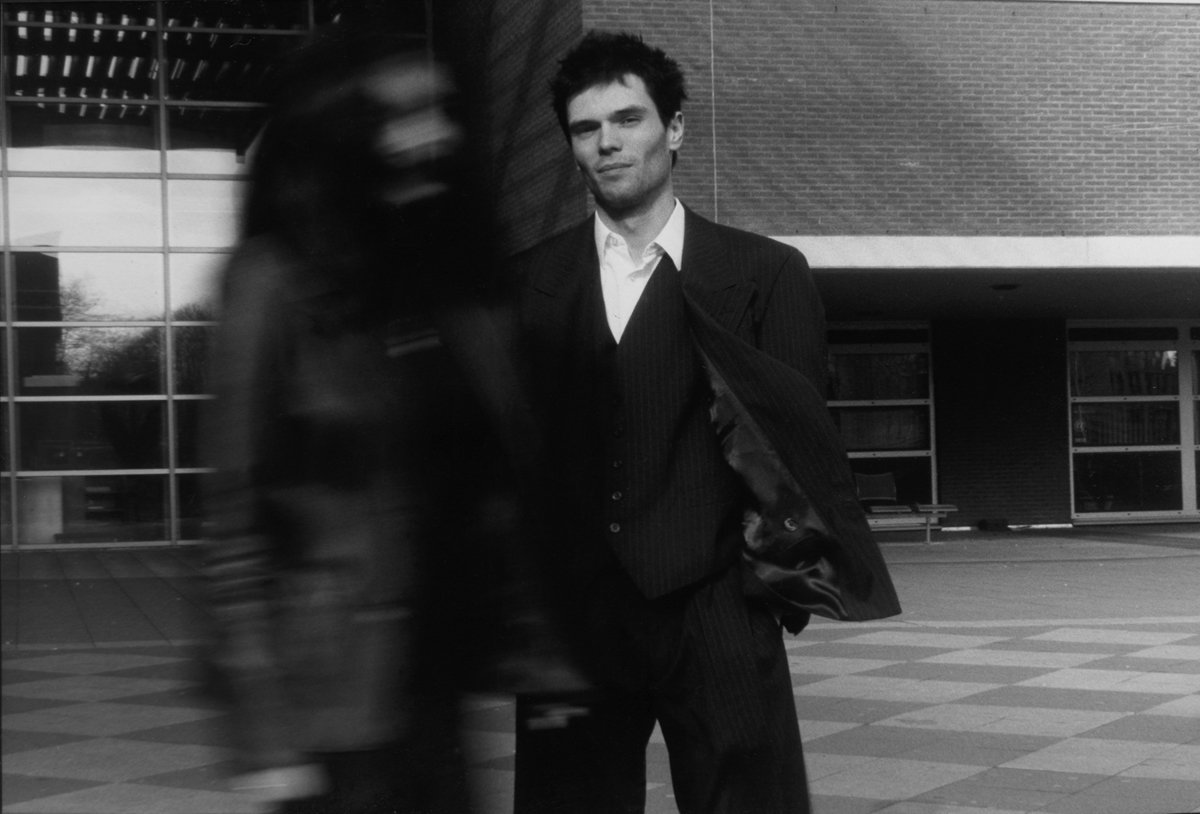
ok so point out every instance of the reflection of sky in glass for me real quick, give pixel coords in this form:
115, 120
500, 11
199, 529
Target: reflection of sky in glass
203, 213
112, 286
122, 212
83, 159
216, 162
109, 159
85, 212
194, 284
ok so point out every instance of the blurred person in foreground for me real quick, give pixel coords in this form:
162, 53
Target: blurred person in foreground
372, 458
679, 368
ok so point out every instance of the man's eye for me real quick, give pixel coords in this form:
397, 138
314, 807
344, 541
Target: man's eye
629, 121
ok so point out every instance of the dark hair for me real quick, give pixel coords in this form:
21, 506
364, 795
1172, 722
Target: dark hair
315, 176
603, 57
310, 165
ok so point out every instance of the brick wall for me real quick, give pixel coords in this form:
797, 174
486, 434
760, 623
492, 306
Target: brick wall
934, 117
1000, 393
509, 50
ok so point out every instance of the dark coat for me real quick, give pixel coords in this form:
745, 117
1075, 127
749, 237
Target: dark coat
759, 329
354, 510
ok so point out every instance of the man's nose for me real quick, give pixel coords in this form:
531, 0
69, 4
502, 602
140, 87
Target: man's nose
610, 140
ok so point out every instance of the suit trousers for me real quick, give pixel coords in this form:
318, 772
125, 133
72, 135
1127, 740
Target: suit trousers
654, 661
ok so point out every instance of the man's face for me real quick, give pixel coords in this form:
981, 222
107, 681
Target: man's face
621, 145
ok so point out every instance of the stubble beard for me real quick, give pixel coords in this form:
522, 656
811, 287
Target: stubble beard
623, 200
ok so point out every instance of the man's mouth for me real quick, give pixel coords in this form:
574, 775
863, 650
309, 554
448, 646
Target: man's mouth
612, 168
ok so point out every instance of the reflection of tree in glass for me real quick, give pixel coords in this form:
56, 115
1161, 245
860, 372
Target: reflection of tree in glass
113, 361
192, 347
129, 361
76, 303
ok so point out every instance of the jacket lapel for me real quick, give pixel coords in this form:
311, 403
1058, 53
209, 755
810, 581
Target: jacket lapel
572, 266
558, 304
711, 278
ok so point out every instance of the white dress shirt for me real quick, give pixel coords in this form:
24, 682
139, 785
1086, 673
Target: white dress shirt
623, 277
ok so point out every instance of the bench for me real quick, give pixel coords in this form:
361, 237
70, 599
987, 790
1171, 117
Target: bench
913, 515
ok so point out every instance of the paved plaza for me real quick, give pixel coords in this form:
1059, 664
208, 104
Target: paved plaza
1048, 671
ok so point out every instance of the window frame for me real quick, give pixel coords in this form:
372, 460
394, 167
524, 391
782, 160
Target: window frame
1186, 346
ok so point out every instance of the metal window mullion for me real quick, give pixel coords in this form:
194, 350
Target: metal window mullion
87, 473
8, 308
1121, 399
879, 349
1116, 344
1189, 403
880, 403
164, 137
85, 399
1111, 448
932, 418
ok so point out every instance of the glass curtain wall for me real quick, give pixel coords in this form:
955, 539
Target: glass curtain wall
126, 131
881, 398
1135, 432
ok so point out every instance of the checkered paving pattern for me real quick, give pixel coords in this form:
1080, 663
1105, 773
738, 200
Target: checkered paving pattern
1029, 673
950, 718
937, 718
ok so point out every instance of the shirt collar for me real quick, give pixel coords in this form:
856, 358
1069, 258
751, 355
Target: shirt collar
670, 239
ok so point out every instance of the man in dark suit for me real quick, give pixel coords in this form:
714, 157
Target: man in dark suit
678, 367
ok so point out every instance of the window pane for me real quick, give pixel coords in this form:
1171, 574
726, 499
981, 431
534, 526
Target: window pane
191, 512
106, 137
6, 514
89, 361
1138, 333
1125, 424
268, 14
883, 428
1128, 482
912, 476
85, 212
4, 466
84, 61
88, 287
211, 140
194, 281
92, 435
85, 13
91, 509
3, 364
212, 66
869, 376
204, 213
187, 428
1124, 373
875, 336
192, 345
